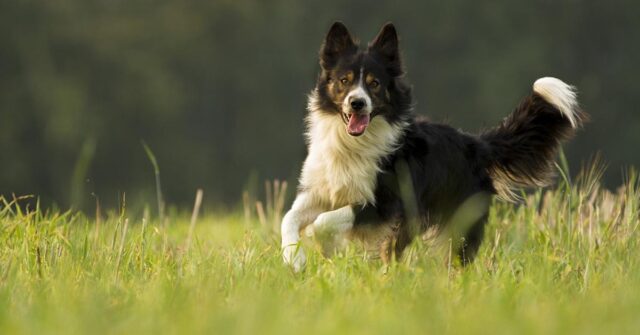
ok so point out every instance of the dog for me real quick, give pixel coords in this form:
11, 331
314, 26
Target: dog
366, 144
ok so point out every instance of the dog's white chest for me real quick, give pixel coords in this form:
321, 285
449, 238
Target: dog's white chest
341, 169
340, 180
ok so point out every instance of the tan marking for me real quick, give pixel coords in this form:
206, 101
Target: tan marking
369, 78
350, 76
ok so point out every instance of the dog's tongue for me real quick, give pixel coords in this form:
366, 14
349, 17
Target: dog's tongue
357, 124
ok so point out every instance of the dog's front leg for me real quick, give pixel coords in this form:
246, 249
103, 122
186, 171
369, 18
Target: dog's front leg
302, 213
334, 223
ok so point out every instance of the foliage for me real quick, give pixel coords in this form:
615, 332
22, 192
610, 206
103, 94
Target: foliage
218, 88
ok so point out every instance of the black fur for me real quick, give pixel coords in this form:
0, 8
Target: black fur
444, 167
524, 146
340, 55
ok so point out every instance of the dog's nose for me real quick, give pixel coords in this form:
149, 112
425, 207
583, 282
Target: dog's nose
358, 104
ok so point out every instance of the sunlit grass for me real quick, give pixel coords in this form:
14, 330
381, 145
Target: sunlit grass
566, 261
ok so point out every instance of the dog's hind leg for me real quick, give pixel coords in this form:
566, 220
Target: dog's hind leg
393, 247
471, 241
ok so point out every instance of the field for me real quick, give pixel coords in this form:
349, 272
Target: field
565, 261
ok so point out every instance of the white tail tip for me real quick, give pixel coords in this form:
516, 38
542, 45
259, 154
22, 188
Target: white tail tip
561, 95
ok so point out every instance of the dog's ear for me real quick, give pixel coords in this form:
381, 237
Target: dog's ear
337, 43
385, 46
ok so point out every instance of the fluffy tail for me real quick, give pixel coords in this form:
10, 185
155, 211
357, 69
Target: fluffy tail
523, 148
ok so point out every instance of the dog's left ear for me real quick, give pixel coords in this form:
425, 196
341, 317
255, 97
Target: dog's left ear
385, 45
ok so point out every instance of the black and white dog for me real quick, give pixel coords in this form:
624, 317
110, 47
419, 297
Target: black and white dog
362, 134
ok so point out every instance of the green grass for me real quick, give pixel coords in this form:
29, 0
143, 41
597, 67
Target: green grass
566, 262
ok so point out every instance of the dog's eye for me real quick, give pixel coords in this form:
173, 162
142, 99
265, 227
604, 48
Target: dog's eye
374, 83
344, 81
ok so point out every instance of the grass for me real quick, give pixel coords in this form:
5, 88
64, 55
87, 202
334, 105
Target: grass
567, 261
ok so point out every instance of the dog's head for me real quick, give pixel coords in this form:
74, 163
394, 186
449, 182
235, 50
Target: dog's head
358, 85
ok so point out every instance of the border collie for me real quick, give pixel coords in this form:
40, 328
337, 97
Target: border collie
365, 142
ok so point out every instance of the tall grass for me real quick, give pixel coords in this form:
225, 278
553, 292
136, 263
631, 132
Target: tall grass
156, 172
564, 261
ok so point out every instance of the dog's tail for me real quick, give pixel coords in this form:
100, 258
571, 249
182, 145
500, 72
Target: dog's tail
523, 148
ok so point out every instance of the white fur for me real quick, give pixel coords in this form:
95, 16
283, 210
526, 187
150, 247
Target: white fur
561, 95
302, 213
336, 222
358, 93
341, 169
339, 172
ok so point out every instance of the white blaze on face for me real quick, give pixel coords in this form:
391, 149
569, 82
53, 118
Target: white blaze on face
357, 120
359, 92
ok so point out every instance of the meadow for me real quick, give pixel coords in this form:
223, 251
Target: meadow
564, 261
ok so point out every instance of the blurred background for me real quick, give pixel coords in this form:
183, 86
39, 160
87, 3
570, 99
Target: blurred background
217, 89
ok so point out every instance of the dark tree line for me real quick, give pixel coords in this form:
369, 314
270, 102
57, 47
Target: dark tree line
218, 88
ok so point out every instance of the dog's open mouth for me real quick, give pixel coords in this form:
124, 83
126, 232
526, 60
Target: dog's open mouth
356, 123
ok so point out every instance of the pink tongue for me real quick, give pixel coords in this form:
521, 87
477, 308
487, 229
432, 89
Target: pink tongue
357, 124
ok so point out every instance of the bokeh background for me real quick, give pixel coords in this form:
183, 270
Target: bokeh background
217, 89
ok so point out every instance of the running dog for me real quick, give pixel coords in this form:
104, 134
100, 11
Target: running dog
364, 139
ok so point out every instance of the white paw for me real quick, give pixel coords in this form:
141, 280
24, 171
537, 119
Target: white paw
310, 230
293, 255
330, 223
322, 227
325, 225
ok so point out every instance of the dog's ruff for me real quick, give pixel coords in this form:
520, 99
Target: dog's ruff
339, 171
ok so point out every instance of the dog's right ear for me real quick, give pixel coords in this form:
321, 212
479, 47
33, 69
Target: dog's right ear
337, 43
